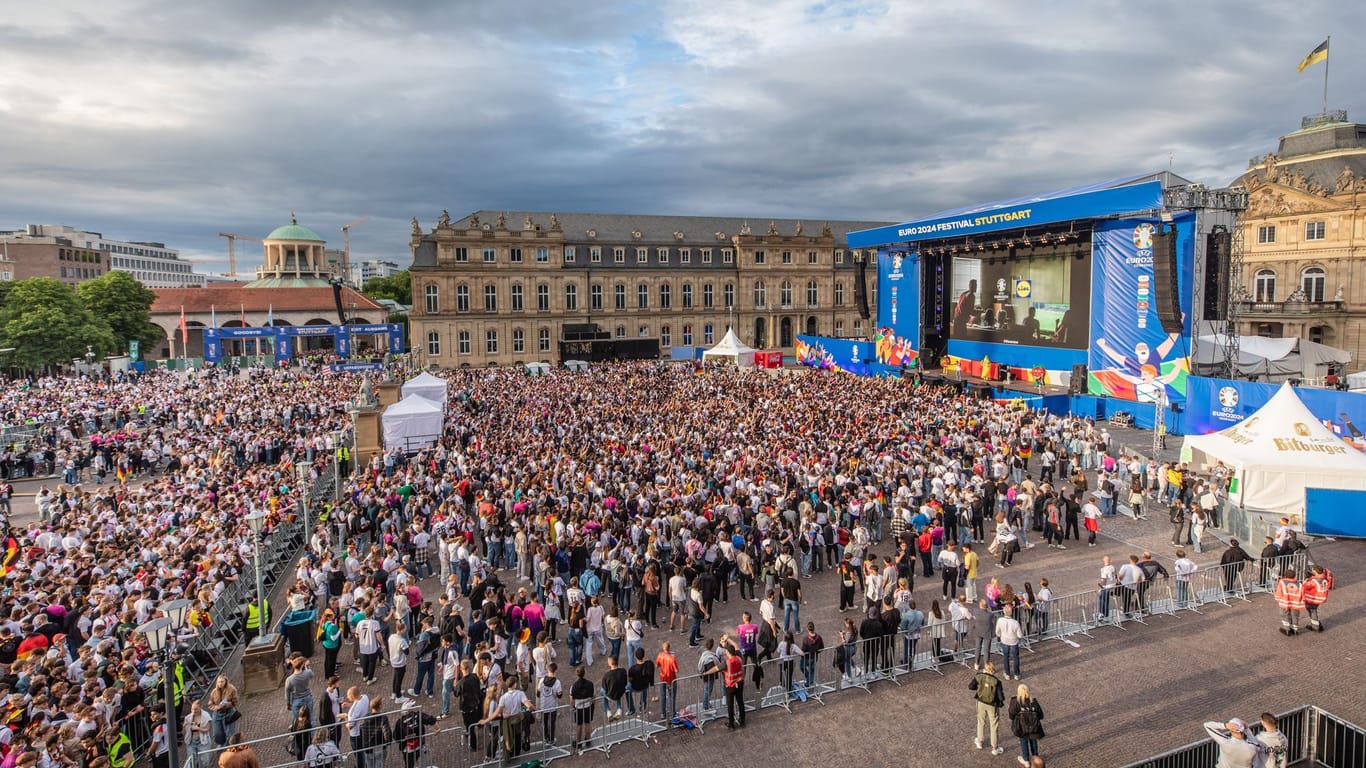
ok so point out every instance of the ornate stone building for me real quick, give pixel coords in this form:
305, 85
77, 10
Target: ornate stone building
1303, 235
499, 288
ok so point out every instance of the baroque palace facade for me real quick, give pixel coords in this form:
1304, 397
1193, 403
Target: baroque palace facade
489, 293
1303, 237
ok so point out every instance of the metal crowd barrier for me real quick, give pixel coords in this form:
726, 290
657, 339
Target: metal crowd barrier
804, 683
1314, 736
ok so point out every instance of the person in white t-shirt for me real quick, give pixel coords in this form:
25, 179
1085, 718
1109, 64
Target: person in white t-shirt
1109, 579
398, 658
1009, 635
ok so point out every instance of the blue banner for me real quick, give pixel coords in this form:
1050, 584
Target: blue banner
1134, 198
356, 367
854, 356
1131, 357
1214, 404
896, 341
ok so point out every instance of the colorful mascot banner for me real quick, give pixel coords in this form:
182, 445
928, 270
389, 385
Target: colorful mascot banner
1131, 357
896, 339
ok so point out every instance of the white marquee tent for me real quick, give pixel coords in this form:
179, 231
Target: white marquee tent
1271, 359
732, 349
412, 423
426, 385
1276, 453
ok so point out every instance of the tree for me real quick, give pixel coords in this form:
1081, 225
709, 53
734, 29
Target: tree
125, 305
46, 324
398, 287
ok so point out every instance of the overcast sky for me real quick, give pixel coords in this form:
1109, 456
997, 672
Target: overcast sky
173, 120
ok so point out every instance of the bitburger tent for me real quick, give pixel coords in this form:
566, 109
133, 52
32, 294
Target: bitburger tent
412, 423
732, 349
1278, 452
431, 387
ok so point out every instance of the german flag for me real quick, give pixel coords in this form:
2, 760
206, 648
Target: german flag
1315, 56
11, 554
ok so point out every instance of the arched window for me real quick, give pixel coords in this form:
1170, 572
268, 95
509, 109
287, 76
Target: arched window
490, 298
839, 294
813, 294
665, 296
462, 298
433, 344
431, 300
619, 297
1264, 285
571, 298
687, 295
518, 340
665, 336
542, 298
1312, 282
642, 296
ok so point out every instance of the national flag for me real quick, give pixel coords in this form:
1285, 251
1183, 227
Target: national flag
1320, 53
213, 316
184, 329
270, 315
121, 473
11, 554
243, 309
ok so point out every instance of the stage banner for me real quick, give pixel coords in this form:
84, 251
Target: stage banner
213, 349
896, 338
848, 355
1215, 404
1130, 356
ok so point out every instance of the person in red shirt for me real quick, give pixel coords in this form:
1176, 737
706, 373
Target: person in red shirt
734, 680
666, 666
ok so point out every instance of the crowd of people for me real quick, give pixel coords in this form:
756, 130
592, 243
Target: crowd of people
560, 521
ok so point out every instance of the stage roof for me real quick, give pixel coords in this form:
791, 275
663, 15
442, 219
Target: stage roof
1127, 194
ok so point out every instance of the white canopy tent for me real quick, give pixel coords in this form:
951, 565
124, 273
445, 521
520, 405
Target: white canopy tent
412, 423
1271, 359
426, 385
732, 349
1276, 453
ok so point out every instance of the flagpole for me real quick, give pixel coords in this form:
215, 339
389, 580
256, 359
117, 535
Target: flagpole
1327, 51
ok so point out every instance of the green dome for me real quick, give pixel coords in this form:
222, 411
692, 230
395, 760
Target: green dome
293, 231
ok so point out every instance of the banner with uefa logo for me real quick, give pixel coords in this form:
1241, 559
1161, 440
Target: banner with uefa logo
896, 339
1130, 356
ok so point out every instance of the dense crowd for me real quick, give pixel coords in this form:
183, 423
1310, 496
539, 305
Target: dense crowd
563, 519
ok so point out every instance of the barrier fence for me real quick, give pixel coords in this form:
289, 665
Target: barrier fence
1314, 737
792, 683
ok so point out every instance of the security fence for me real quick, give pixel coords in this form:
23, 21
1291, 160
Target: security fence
792, 683
1314, 736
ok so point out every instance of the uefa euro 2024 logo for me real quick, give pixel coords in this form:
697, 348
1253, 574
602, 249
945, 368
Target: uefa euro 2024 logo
1143, 237
1228, 396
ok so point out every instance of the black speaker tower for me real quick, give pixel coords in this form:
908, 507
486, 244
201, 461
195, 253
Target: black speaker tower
1218, 244
1166, 291
861, 288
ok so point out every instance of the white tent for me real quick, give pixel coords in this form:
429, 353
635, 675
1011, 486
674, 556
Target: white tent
732, 349
1271, 359
1276, 453
412, 423
426, 385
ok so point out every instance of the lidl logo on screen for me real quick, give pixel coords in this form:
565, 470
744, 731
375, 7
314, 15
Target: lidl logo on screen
1023, 289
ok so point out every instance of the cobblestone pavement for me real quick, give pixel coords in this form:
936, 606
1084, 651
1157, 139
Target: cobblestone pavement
1117, 696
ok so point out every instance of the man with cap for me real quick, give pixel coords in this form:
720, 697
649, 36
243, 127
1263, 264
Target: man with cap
1235, 751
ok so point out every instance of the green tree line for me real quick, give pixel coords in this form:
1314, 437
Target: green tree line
47, 322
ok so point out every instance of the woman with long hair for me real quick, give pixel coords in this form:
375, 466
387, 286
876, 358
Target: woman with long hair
1026, 722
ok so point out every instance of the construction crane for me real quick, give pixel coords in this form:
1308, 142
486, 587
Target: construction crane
232, 252
346, 246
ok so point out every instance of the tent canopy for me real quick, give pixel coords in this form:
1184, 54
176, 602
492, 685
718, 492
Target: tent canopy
412, 423
1279, 451
1272, 358
426, 385
731, 348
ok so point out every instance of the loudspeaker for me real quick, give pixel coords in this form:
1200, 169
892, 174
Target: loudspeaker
861, 288
1078, 386
1166, 291
1218, 244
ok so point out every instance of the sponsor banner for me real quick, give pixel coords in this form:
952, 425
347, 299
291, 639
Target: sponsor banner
1131, 357
1213, 405
356, 367
1017, 215
896, 339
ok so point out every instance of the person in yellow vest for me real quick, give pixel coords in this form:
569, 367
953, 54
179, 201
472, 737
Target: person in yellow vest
343, 460
178, 688
257, 620
118, 748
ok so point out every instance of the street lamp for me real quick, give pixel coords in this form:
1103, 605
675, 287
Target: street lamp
301, 472
158, 635
257, 521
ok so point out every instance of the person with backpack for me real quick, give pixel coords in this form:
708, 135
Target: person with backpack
988, 693
323, 752
410, 732
1315, 589
1026, 722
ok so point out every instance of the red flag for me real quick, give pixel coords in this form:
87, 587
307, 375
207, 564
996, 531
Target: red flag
184, 331
243, 308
